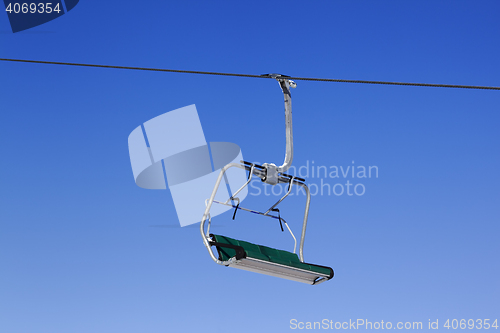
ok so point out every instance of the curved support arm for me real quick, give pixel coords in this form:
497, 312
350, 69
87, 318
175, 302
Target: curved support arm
285, 87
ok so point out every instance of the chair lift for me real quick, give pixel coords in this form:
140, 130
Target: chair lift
258, 258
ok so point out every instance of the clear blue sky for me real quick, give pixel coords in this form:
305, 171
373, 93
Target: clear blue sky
83, 249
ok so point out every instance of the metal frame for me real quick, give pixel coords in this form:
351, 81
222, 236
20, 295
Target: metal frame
259, 173
285, 87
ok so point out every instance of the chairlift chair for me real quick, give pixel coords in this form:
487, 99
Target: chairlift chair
258, 258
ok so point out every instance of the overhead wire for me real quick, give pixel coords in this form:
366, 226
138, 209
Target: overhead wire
413, 84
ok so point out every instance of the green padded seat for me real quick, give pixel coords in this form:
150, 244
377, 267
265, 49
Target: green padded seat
266, 254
